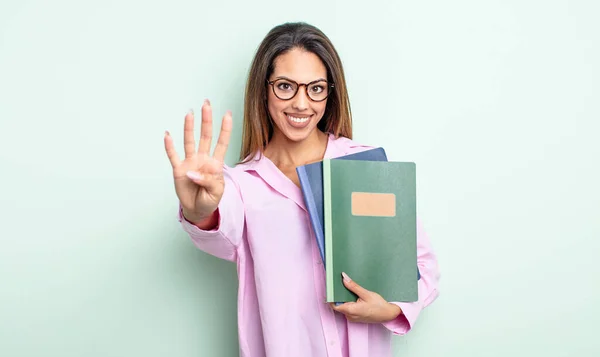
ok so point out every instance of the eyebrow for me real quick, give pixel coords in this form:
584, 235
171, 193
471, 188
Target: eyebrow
289, 79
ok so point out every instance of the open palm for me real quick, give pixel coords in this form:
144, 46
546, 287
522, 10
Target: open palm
198, 178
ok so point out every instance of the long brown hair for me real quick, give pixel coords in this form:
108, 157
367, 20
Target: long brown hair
258, 128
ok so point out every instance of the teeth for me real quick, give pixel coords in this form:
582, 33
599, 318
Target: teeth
297, 120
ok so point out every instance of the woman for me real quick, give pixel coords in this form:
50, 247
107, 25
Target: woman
296, 111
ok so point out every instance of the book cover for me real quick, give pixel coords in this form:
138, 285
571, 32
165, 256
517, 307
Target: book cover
311, 183
370, 228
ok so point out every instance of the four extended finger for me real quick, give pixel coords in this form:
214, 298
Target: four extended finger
205, 129
189, 144
170, 149
223, 142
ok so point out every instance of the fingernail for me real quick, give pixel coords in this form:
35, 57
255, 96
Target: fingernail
167, 132
206, 101
194, 175
346, 277
191, 111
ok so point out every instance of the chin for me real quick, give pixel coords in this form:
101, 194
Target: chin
298, 135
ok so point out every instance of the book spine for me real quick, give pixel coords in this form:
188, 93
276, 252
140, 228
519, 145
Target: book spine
311, 206
328, 228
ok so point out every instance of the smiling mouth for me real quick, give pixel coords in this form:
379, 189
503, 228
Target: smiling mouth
299, 119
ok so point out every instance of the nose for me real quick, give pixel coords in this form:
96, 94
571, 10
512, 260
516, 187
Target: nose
300, 101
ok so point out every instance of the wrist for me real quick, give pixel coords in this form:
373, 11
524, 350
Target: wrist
394, 311
201, 221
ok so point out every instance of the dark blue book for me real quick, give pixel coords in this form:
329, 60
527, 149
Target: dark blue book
311, 183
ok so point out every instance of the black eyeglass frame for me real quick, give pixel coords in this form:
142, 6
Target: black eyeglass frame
298, 85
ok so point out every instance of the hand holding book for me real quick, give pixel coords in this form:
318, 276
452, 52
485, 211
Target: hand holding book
370, 307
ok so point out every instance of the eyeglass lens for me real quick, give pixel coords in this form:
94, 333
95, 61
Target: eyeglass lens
286, 89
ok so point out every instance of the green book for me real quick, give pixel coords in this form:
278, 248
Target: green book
370, 228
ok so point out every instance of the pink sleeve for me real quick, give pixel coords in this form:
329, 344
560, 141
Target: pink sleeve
428, 286
223, 241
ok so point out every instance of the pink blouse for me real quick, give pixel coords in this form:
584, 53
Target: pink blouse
265, 229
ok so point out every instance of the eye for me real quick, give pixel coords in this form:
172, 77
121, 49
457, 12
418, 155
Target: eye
285, 86
317, 88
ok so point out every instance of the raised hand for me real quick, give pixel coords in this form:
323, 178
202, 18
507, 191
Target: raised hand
198, 178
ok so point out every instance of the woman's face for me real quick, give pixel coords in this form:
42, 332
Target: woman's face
297, 118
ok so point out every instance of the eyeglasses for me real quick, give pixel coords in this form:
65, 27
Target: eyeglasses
286, 89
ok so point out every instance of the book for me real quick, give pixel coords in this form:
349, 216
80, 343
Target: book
311, 184
370, 228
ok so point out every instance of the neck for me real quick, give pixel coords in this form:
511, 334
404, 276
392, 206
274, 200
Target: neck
284, 152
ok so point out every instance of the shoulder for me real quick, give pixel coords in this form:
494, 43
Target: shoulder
237, 170
246, 170
341, 146
242, 176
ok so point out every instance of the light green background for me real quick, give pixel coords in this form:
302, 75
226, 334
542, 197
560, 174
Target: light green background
497, 102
